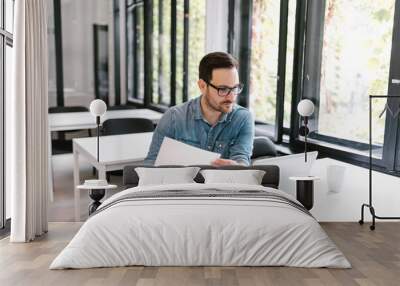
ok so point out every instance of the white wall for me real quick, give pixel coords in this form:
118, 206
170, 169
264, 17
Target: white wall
341, 189
216, 26
78, 18
353, 192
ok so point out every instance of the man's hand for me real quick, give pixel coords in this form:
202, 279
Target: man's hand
223, 162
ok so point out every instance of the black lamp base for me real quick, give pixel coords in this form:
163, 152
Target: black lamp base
305, 193
96, 195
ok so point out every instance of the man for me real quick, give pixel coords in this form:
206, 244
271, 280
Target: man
211, 121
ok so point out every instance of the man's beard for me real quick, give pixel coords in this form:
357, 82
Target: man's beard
218, 107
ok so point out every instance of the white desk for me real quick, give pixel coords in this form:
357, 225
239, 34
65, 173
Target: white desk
116, 151
85, 120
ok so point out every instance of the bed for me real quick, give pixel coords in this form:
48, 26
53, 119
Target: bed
201, 224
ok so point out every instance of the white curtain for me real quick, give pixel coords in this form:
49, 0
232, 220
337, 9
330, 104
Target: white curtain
28, 124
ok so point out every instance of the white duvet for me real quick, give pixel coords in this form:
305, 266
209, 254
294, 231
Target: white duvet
200, 231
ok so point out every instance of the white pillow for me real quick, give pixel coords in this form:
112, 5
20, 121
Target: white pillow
164, 176
247, 177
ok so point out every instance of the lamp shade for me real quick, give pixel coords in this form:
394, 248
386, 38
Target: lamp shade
305, 107
98, 107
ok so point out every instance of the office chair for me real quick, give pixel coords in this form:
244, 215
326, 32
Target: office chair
119, 126
120, 107
263, 147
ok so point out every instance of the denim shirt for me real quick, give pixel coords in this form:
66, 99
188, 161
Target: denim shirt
232, 136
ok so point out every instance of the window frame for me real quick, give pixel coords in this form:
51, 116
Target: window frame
149, 100
240, 11
333, 146
131, 7
239, 43
58, 52
117, 55
98, 28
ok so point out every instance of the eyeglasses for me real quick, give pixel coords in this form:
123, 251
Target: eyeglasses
224, 90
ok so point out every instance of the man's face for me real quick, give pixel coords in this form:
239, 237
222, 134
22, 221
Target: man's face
224, 77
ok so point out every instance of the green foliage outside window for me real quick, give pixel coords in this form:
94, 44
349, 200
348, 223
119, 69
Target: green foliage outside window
162, 48
264, 59
197, 33
355, 63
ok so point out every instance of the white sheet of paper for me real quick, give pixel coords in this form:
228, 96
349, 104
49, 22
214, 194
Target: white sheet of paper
173, 152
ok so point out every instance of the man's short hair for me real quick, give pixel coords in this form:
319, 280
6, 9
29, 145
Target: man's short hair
213, 61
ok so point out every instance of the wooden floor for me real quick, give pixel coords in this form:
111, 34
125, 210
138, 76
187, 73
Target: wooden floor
375, 257
62, 207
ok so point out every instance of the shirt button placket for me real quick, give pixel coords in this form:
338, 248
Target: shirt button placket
209, 138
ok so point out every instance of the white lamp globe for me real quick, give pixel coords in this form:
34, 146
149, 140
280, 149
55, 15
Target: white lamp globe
98, 107
305, 107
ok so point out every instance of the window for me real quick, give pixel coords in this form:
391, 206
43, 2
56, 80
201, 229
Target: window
197, 40
264, 59
71, 51
334, 52
173, 62
162, 52
266, 33
135, 50
101, 57
51, 45
9, 16
289, 63
6, 43
175, 70
354, 65
351, 56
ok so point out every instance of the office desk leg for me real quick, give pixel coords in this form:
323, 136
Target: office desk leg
77, 195
102, 172
50, 170
103, 176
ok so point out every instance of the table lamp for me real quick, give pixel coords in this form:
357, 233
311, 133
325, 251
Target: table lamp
305, 109
97, 109
96, 187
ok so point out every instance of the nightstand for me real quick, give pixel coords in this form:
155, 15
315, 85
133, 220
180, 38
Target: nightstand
305, 190
96, 193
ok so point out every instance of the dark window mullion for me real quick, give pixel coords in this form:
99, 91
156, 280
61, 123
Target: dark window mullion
280, 91
116, 54
160, 51
391, 147
313, 57
58, 52
173, 52
185, 50
231, 25
298, 62
135, 53
148, 51
95, 61
246, 8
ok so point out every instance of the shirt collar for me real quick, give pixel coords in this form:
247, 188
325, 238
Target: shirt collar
197, 114
197, 109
